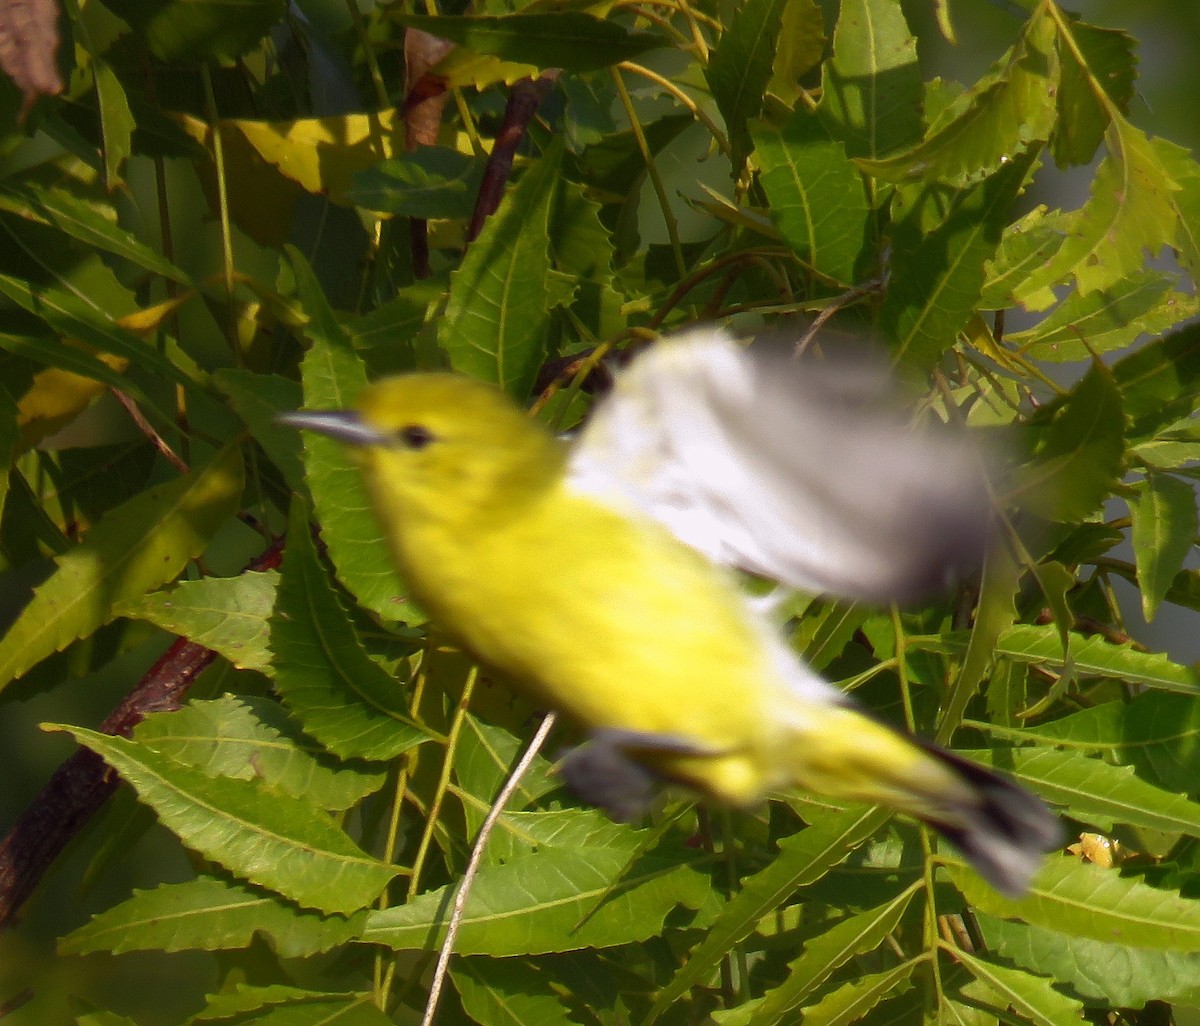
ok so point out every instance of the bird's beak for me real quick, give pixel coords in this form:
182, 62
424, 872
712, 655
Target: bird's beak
344, 425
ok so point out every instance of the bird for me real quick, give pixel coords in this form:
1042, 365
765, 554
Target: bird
605, 576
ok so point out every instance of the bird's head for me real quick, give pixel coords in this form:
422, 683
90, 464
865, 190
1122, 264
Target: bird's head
440, 445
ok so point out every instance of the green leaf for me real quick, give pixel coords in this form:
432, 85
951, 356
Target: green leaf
1095, 791
1032, 997
1130, 211
226, 614
1005, 113
333, 376
90, 223
1095, 657
254, 831
1160, 383
816, 194
210, 914
1179, 163
249, 738
1085, 900
855, 935
803, 858
134, 548
1163, 508
554, 899
199, 30
434, 181
851, 1001
509, 992
1100, 322
871, 89
342, 697
571, 40
935, 288
799, 48
1095, 63
1079, 450
116, 121
498, 315
739, 69
1113, 973
281, 1005
1024, 248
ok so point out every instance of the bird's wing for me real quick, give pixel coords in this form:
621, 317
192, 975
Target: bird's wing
804, 471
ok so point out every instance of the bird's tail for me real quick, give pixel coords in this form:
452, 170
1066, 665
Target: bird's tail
1001, 828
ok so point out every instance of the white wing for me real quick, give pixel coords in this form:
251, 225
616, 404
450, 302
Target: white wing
804, 471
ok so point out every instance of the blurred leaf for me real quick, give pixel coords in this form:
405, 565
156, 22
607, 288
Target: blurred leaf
258, 399
134, 548
261, 834
282, 1005
572, 40
210, 914
1165, 523
199, 30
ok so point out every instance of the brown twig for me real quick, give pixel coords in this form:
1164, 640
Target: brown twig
83, 783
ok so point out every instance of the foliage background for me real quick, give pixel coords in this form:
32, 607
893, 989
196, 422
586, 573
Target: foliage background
212, 278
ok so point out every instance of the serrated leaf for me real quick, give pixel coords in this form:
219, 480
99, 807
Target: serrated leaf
341, 697
1085, 900
1179, 163
1095, 62
1130, 212
210, 914
333, 376
557, 899
90, 223
512, 992
851, 1001
802, 858
248, 739
871, 88
1032, 997
935, 288
226, 614
257, 399
823, 954
1095, 657
1024, 247
571, 40
1006, 112
816, 195
133, 548
498, 314
254, 831
1095, 791
1163, 508
739, 69
1160, 382
1079, 451
290, 1006
1116, 974
799, 49
1114, 318
432, 182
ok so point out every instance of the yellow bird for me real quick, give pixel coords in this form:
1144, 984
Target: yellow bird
597, 575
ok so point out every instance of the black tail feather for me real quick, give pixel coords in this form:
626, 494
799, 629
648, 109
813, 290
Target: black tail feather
1004, 834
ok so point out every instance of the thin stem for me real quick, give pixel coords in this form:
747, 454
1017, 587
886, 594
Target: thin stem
682, 98
210, 103
464, 888
660, 189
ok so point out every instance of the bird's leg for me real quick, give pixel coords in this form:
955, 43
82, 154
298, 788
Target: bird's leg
607, 770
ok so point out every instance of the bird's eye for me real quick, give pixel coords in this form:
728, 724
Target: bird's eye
414, 436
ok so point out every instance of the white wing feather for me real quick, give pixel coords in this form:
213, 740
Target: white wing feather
806, 472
